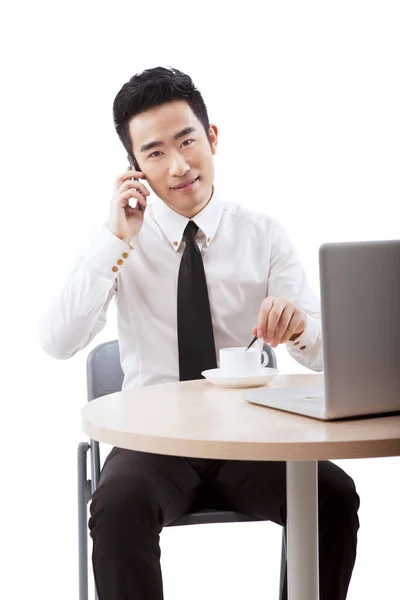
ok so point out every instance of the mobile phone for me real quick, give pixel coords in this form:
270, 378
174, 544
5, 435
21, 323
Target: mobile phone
135, 167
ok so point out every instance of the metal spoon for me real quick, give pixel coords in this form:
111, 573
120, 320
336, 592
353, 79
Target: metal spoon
252, 342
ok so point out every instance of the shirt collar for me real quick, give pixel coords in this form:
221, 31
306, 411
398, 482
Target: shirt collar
173, 224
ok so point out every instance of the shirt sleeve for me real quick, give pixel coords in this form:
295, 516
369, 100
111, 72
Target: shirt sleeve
77, 312
287, 279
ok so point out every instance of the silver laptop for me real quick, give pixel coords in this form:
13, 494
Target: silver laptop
360, 309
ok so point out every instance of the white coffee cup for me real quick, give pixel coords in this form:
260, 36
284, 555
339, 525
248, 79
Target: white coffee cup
239, 361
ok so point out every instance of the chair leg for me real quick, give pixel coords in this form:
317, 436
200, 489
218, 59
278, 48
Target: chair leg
95, 471
283, 576
95, 463
83, 448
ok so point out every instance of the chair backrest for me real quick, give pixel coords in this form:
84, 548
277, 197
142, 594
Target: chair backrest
103, 370
105, 375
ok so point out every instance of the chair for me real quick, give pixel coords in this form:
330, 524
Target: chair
105, 376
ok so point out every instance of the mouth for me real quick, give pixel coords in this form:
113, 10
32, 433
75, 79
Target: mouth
186, 185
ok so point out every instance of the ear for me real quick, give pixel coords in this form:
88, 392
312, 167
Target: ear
213, 135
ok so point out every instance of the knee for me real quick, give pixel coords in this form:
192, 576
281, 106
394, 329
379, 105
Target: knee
125, 503
338, 496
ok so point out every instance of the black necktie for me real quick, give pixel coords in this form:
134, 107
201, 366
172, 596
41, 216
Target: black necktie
195, 332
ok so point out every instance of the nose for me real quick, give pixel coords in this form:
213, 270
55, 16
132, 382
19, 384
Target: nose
178, 166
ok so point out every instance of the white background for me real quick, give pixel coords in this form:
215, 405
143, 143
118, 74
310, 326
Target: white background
306, 96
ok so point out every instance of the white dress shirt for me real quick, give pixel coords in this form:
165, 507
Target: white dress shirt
247, 256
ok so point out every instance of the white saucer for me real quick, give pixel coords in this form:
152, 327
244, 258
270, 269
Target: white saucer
240, 381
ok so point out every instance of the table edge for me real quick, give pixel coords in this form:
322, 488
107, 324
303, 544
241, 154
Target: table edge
231, 450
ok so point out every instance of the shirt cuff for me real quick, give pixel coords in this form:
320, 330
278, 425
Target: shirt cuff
106, 254
307, 348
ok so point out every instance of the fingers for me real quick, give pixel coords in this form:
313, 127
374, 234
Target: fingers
129, 173
282, 325
263, 315
297, 324
127, 187
134, 193
136, 185
278, 320
269, 316
287, 334
274, 318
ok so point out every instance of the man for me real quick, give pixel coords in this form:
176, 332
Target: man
191, 274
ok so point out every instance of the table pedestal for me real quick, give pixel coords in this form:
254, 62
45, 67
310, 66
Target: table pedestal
302, 530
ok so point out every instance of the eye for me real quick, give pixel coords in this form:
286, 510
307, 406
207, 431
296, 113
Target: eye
187, 142
154, 154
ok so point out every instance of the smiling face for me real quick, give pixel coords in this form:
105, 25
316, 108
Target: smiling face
172, 150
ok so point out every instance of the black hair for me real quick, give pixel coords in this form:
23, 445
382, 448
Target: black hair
152, 88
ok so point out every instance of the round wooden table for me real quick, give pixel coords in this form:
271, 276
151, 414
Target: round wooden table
197, 419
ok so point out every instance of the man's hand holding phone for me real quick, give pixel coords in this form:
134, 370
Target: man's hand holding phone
125, 222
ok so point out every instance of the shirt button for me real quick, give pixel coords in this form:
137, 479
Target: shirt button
115, 269
296, 343
175, 243
208, 240
125, 255
303, 347
120, 262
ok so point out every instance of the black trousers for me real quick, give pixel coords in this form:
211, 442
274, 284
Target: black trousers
139, 493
